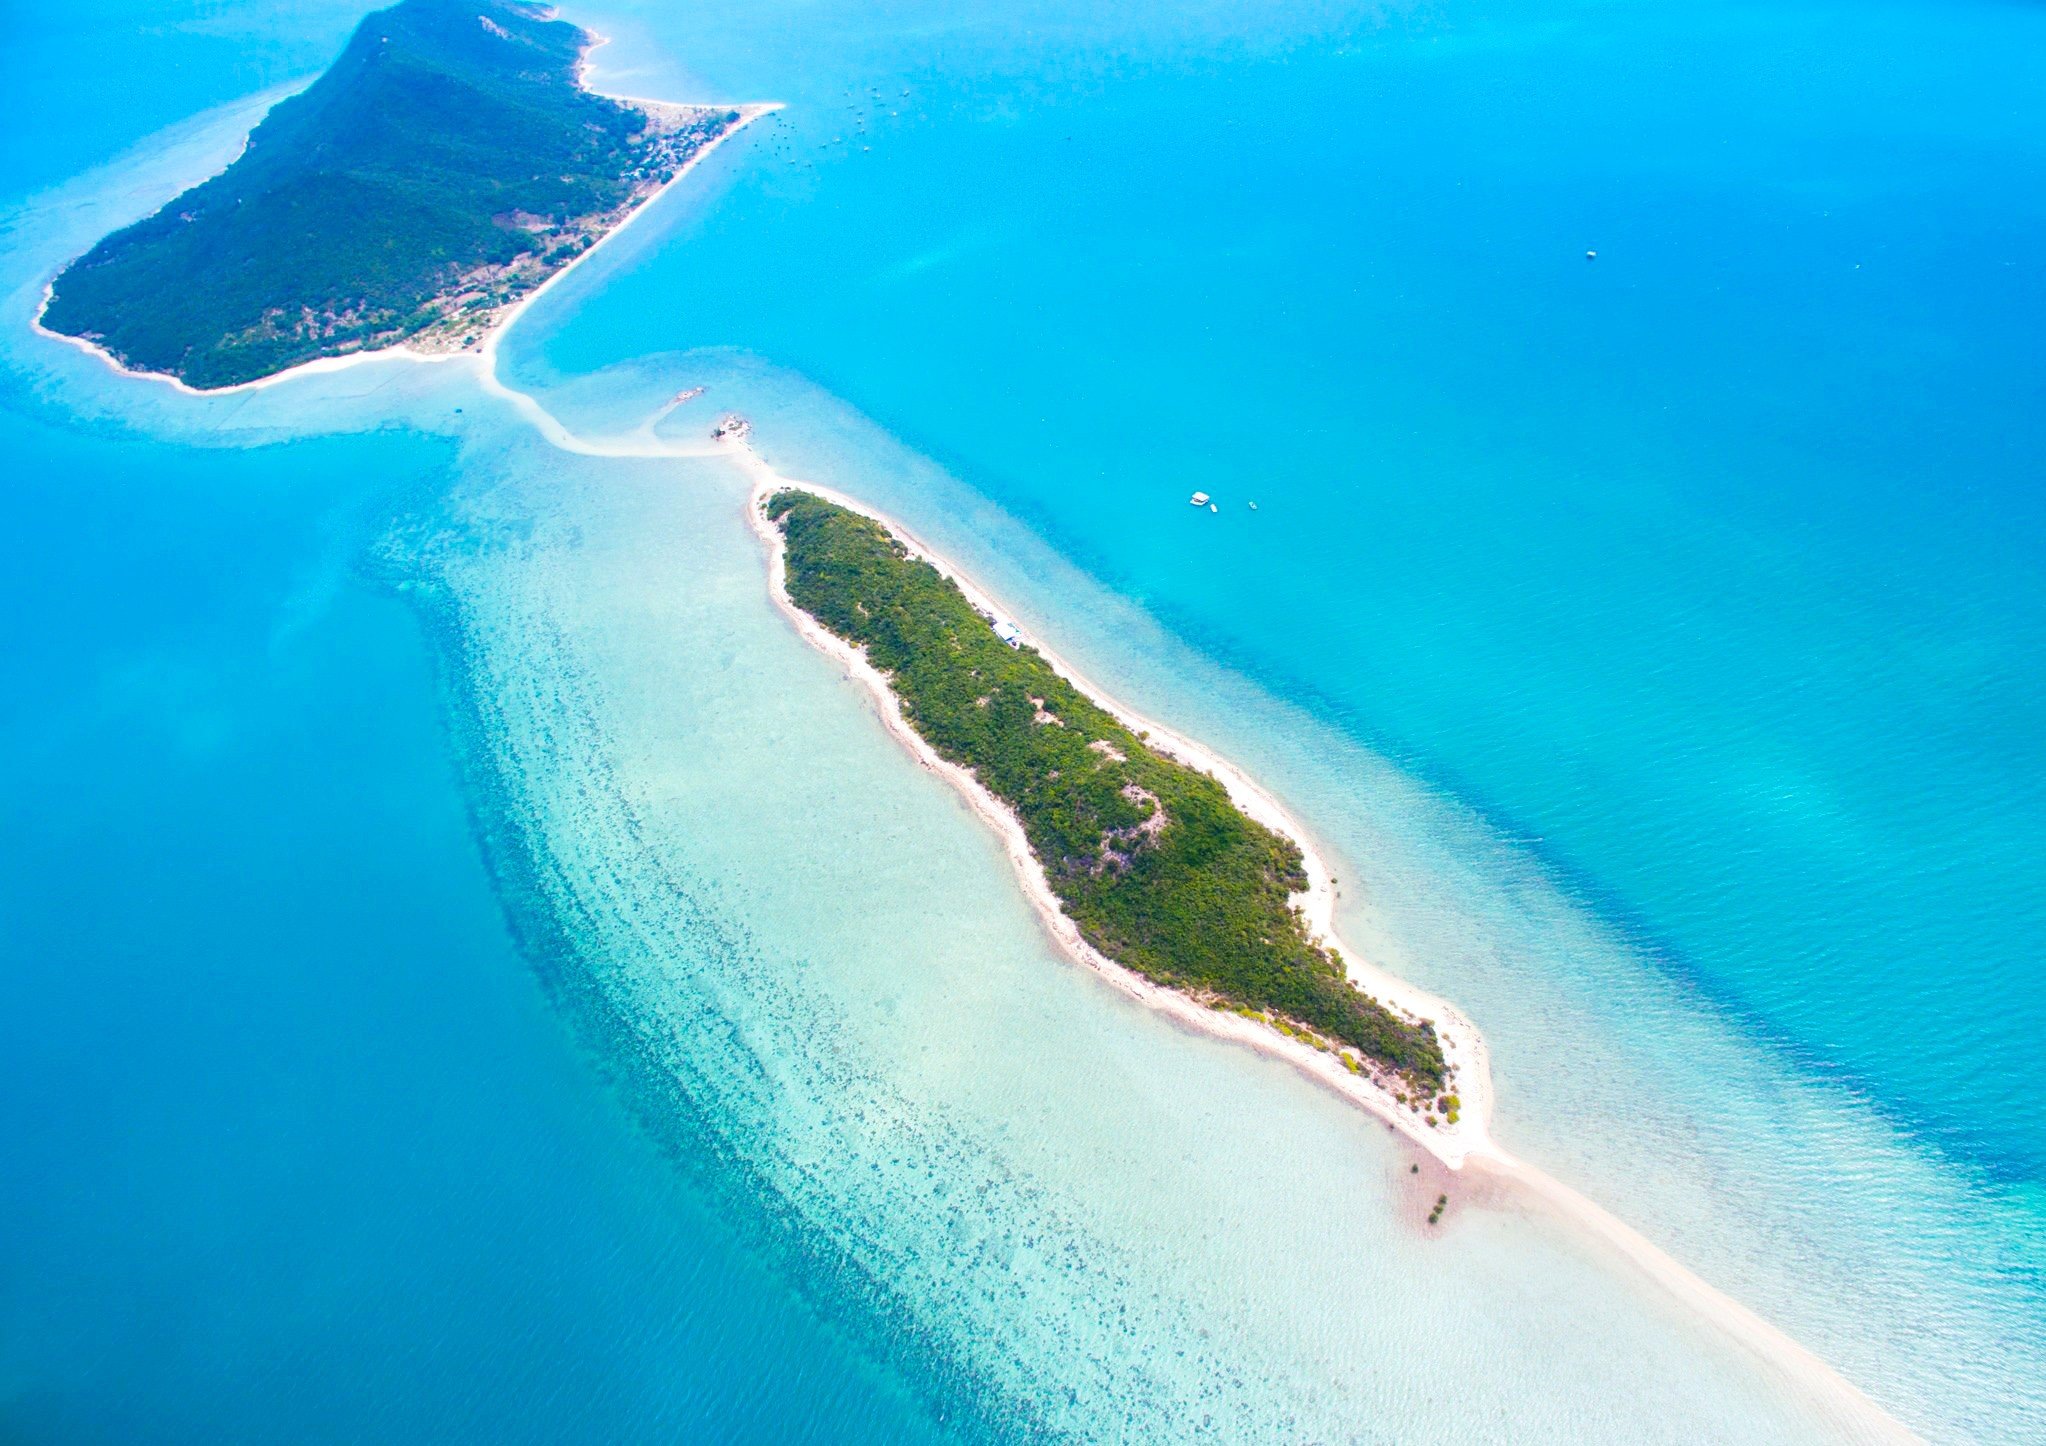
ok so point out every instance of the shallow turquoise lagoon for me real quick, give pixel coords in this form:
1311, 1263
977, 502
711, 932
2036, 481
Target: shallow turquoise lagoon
297, 1146
471, 970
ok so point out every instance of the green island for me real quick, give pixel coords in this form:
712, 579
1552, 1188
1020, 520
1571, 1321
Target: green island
1149, 858
442, 168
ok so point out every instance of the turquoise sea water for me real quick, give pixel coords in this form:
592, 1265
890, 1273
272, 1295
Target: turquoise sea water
1714, 565
1653, 639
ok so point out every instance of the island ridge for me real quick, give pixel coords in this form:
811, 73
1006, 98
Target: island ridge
446, 165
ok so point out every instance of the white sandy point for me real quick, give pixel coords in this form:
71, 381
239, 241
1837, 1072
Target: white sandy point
1467, 1142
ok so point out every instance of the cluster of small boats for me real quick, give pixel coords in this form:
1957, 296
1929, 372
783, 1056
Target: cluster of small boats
1201, 499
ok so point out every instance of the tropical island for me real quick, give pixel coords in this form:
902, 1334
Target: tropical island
447, 164
1148, 857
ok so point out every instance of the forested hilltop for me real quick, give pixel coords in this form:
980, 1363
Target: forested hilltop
444, 166
1154, 863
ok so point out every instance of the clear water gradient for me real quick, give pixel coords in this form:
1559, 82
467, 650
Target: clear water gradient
443, 1010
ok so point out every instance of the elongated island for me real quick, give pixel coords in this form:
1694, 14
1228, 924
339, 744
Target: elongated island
447, 164
1157, 868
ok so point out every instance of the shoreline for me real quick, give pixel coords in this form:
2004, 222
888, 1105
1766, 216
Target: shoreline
1463, 1047
1469, 1143
494, 327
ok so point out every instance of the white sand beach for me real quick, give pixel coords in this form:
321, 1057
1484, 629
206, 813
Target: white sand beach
1462, 1046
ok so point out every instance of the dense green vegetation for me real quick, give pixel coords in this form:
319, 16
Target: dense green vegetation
447, 162
1160, 871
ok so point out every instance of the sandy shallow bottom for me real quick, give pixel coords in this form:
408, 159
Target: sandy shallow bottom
1132, 1227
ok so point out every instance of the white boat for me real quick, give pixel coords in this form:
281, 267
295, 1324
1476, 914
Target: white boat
1200, 499
1213, 508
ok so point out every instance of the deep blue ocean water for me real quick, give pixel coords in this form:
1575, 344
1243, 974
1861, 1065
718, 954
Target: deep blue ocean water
1711, 571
